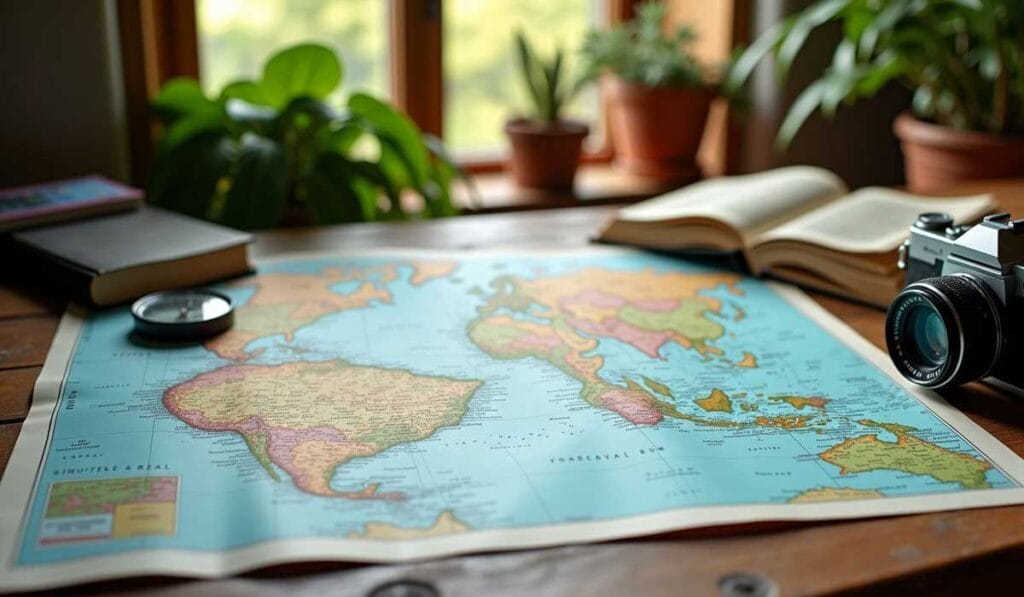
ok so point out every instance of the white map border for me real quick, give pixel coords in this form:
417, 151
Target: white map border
30, 452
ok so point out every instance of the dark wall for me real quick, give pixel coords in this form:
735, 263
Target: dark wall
858, 144
61, 102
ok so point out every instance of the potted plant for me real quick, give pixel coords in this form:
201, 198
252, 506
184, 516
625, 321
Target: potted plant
545, 146
964, 60
273, 151
656, 93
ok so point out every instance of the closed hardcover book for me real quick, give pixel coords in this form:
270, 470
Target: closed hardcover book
116, 258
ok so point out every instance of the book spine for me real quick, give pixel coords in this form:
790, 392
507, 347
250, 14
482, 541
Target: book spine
64, 279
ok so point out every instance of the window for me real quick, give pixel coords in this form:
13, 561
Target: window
448, 63
477, 72
482, 85
237, 36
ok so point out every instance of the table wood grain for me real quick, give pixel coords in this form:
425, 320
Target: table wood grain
962, 550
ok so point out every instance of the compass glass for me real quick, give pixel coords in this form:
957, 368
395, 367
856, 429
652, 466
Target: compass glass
182, 314
183, 307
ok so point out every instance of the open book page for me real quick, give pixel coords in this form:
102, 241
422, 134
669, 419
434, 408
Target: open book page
749, 204
872, 220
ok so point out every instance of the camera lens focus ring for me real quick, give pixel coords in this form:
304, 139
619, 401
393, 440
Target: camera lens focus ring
960, 337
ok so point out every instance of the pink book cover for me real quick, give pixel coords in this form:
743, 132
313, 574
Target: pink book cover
50, 200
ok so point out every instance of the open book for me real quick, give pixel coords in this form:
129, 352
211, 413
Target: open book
798, 223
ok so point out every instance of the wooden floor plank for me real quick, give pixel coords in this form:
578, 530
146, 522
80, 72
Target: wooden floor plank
25, 341
22, 299
16, 392
8, 435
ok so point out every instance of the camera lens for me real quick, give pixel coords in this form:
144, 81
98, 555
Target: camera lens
927, 335
944, 331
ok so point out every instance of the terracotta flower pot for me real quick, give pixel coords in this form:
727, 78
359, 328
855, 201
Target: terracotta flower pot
656, 130
937, 155
545, 155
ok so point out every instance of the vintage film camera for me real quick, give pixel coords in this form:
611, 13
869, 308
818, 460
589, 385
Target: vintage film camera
959, 316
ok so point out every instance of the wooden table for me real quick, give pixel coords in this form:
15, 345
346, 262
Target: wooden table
966, 550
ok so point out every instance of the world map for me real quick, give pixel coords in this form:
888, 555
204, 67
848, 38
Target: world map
394, 397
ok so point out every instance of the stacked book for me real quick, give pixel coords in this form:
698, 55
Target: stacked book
106, 247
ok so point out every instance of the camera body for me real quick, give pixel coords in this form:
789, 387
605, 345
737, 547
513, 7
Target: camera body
959, 316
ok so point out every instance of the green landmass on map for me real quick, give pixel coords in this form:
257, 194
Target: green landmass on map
831, 494
801, 402
892, 428
716, 401
657, 386
908, 454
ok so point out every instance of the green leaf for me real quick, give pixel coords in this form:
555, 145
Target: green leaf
439, 201
923, 103
331, 195
744, 66
207, 119
804, 105
303, 70
179, 97
376, 177
856, 20
883, 22
838, 85
554, 76
394, 166
394, 129
446, 165
806, 22
259, 188
305, 113
187, 178
249, 91
643, 51
532, 73
338, 137
250, 116
887, 67
845, 55
989, 62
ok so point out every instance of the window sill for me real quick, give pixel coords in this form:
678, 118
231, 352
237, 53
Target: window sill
596, 184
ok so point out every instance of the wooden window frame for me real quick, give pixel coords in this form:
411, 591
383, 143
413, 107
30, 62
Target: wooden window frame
159, 41
417, 69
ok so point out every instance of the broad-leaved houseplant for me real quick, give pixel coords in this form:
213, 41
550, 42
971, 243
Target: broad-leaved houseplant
274, 151
963, 59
